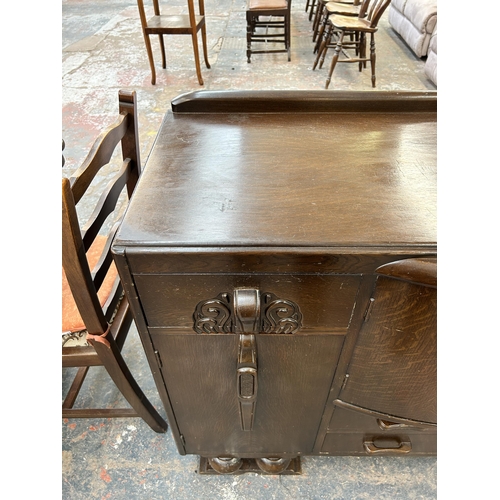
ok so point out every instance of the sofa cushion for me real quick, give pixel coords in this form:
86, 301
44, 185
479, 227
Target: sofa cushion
430, 67
414, 21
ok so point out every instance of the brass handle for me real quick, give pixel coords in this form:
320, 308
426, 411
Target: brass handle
371, 448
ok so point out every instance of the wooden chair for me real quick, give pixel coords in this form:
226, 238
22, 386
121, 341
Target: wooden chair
96, 314
345, 8
268, 21
187, 24
360, 27
334, 8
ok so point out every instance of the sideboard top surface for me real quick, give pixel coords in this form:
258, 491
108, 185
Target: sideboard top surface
281, 179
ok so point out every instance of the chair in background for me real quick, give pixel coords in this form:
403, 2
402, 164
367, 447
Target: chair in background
268, 21
186, 24
345, 8
359, 26
337, 8
96, 314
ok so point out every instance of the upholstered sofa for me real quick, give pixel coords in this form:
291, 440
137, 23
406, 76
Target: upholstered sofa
430, 67
415, 21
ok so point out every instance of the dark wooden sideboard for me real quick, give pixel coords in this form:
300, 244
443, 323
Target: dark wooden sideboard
279, 255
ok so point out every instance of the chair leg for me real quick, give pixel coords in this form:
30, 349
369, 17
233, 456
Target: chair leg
372, 58
314, 4
322, 52
194, 37
321, 49
336, 54
288, 37
317, 20
162, 48
149, 50
321, 32
204, 41
361, 50
249, 35
114, 363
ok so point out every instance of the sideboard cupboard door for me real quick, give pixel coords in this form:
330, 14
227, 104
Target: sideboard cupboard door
294, 377
393, 369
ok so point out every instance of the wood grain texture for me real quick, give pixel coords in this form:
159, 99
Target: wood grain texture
304, 195
326, 302
317, 180
393, 369
200, 376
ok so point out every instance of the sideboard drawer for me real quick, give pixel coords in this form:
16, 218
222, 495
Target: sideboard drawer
370, 444
357, 431
326, 302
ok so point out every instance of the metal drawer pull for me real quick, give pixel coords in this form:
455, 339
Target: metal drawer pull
372, 448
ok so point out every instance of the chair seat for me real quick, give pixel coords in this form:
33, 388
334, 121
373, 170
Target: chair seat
71, 319
267, 4
174, 24
342, 9
348, 23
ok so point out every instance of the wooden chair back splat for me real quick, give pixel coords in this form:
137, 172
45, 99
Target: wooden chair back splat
96, 314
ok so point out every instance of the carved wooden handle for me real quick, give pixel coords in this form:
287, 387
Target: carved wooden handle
247, 312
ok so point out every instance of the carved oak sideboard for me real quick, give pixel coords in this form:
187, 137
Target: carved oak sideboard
279, 255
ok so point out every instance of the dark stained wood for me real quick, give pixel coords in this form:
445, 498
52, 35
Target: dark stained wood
106, 326
200, 373
377, 187
315, 198
393, 369
298, 101
422, 271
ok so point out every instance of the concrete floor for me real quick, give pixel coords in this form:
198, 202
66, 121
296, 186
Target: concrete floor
103, 51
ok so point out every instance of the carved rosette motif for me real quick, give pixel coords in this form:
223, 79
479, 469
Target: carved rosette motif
277, 316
